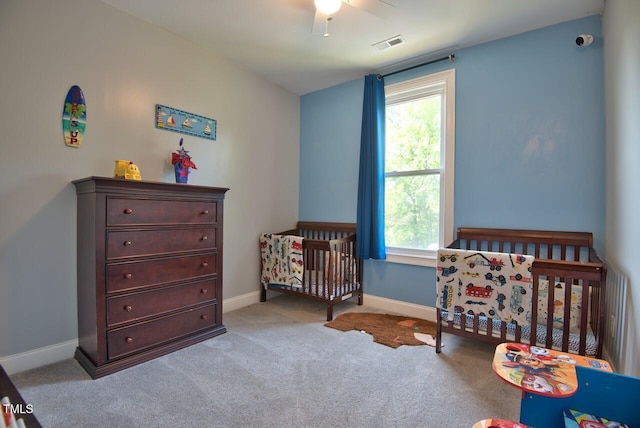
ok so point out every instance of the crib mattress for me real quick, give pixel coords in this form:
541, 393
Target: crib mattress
321, 290
541, 333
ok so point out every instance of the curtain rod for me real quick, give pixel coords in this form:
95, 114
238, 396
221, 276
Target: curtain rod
451, 58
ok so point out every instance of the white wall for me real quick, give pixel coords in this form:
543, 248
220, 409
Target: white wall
622, 85
124, 66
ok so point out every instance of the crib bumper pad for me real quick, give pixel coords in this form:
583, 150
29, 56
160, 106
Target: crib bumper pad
498, 285
282, 262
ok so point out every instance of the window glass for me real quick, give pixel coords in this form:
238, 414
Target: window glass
419, 151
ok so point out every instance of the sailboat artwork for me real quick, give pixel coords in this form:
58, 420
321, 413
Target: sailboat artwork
207, 128
188, 123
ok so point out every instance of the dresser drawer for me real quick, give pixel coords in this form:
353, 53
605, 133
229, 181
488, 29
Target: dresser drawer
145, 304
128, 276
127, 340
126, 211
132, 243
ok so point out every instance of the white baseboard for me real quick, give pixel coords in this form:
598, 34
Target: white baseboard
408, 309
240, 302
39, 357
61, 351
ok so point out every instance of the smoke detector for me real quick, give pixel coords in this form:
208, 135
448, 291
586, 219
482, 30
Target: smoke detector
389, 43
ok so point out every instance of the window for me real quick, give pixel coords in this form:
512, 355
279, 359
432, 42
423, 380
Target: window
419, 167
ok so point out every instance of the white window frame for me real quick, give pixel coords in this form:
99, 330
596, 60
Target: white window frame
414, 89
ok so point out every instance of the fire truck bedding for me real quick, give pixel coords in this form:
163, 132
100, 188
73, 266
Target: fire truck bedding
485, 283
282, 262
484, 293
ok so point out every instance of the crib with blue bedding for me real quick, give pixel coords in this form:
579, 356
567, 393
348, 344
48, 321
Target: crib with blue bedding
567, 289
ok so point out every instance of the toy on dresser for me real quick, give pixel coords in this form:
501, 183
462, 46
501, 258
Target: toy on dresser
127, 170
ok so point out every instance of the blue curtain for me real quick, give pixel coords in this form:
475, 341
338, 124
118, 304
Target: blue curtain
370, 222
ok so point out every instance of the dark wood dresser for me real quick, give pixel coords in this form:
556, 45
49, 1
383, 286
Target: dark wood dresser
149, 270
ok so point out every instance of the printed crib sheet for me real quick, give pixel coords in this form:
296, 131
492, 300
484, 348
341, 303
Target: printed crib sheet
559, 304
496, 285
282, 262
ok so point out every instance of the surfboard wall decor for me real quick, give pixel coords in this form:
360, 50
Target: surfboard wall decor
74, 117
172, 119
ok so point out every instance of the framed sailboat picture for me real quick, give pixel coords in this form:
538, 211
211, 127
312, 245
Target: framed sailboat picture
172, 119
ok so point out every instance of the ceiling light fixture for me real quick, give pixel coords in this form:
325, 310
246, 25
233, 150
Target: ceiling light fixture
326, 26
328, 7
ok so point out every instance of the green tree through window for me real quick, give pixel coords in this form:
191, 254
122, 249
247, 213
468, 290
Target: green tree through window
415, 165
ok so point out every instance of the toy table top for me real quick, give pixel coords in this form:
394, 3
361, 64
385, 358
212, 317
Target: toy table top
498, 423
541, 371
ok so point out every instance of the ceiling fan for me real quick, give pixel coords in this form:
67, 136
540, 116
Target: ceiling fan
326, 9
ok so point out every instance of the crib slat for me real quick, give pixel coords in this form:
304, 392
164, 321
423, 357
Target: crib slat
533, 335
551, 293
317, 272
584, 312
597, 298
305, 274
566, 313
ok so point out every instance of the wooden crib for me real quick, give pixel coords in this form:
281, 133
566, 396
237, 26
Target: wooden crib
567, 277
332, 272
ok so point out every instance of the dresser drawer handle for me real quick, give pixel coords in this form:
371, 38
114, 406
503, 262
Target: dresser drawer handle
128, 211
205, 212
205, 237
204, 264
204, 291
127, 276
129, 340
127, 243
204, 317
128, 308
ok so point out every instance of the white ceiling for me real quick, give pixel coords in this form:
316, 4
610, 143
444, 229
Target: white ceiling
274, 38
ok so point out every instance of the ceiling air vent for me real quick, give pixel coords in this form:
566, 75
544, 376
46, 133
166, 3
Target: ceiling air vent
389, 43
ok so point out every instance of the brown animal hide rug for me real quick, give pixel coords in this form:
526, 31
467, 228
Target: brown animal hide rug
390, 330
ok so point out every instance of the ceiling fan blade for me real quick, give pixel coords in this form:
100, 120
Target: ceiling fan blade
319, 23
379, 8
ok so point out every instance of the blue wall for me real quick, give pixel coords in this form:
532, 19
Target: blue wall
330, 122
530, 144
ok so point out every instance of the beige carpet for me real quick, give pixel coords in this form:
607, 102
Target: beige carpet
389, 330
278, 366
